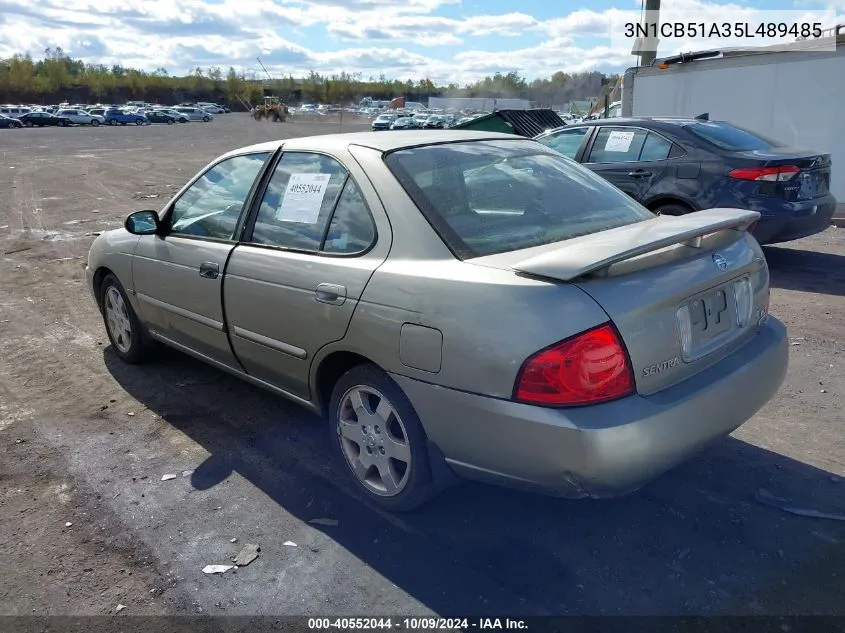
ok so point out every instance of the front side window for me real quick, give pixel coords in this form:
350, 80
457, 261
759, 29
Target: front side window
211, 206
566, 142
299, 200
487, 197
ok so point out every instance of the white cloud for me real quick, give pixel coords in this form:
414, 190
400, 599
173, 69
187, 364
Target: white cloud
408, 39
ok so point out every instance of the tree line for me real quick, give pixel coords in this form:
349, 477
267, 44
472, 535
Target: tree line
57, 77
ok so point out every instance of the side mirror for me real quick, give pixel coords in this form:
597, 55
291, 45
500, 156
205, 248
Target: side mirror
142, 223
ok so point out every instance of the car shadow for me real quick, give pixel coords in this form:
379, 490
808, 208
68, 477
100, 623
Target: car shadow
807, 271
696, 541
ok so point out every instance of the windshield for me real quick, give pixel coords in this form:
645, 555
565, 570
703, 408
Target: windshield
487, 197
730, 137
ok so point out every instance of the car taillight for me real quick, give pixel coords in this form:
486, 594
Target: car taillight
781, 173
588, 368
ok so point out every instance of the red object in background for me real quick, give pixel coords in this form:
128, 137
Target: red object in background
397, 103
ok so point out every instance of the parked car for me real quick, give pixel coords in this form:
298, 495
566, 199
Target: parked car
14, 112
8, 122
392, 257
98, 112
180, 117
159, 116
195, 114
675, 166
42, 119
434, 122
382, 122
402, 123
82, 117
115, 116
213, 108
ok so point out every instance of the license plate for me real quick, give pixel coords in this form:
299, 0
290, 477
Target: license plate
712, 317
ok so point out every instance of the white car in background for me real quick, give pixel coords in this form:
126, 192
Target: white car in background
195, 114
82, 117
213, 108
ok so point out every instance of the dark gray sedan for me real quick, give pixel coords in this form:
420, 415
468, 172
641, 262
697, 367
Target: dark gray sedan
674, 166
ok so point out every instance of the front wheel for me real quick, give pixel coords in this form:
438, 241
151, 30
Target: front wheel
139, 121
28, 124
169, 121
95, 123
125, 331
380, 439
183, 120
206, 119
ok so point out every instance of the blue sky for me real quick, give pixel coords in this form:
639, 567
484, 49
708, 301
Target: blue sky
445, 40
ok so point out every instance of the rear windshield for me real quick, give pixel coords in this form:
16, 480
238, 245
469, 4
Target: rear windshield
487, 197
730, 137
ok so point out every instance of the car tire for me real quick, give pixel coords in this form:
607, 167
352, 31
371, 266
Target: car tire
672, 209
95, 123
364, 446
128, 337
206, 119
112, 122
139, 122
169, 121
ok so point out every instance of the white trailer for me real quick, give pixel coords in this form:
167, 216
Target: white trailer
795, 96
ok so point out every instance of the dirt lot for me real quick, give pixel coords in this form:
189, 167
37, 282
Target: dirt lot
86, 524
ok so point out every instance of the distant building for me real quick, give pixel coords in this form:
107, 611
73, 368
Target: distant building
477, 103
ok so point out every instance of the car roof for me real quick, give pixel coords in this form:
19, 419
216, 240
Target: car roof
380, 141
645, 121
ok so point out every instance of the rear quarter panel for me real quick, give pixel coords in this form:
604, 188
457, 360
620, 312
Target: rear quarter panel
491, 320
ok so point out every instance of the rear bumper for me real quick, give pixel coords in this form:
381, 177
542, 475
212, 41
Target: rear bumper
607, 449
797, 221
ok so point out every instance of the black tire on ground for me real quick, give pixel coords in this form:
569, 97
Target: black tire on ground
672, 208
419, 488
169, 121
183, 120
141, 346
139, 121
28, 124
206, 119
94, 123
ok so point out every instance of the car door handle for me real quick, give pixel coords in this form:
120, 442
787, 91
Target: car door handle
330, 293
209, 270
639, 173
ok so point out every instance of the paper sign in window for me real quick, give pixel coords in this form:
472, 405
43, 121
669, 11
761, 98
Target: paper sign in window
619, 141
303, 198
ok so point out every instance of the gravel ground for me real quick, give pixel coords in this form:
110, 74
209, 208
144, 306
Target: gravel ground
87, 524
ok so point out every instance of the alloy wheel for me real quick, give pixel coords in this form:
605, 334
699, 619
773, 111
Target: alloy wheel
117, 319
374, 441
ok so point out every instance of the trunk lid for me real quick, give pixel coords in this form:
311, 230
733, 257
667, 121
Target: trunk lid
683, 292
812, 180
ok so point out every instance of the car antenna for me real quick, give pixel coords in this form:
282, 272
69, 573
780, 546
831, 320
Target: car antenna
703, 117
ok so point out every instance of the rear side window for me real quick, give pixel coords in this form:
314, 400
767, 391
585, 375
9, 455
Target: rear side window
617, 145
489, 197
730, 137
299, 201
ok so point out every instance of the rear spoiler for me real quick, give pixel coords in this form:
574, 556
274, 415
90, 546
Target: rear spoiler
581, 256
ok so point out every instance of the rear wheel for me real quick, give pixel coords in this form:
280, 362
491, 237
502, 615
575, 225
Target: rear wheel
169, 121
378, 436
28, 124
126, 333
139, 121
671, 208
206, 119
95, 123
